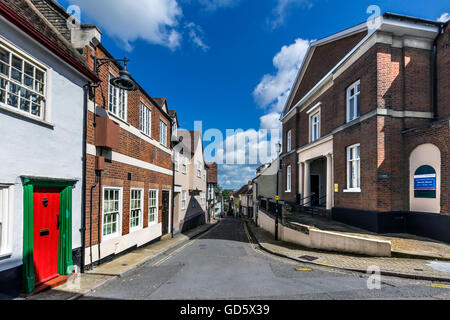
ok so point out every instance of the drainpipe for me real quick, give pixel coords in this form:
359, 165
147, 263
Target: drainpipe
99, 212
83, 188
90, 227
173, 198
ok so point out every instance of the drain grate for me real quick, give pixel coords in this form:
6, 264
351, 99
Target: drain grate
309, 258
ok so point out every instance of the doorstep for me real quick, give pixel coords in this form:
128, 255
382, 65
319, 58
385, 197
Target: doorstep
50, 284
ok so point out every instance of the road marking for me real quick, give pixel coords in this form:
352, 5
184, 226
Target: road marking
323, 264
439, 285
173, 253
303, 269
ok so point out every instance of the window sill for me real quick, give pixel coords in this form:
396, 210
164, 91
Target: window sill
135, 229
356, 190
4, 256
110, 237
146, 135
24, 116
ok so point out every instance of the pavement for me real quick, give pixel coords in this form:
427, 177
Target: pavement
403, 245
80, 284
405, 267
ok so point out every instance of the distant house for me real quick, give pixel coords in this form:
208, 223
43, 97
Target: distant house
190, 181
42, 80
214, 206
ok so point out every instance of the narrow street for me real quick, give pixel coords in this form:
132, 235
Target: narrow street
223, 264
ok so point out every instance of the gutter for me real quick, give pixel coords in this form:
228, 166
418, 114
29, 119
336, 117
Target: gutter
434, 71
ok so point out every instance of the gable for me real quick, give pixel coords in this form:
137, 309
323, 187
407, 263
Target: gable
323, 58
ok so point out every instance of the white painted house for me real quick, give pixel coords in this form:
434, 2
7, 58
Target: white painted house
41, 155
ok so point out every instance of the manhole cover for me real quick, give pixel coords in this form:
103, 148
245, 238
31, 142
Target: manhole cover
309, 258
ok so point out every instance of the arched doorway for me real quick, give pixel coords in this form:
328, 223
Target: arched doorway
425, 179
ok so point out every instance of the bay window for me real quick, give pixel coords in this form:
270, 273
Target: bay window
22, 84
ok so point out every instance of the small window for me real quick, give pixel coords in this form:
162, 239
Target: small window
23, 84
112, 209
136, 209
152, 206
174, 129
288, 179
353, 167
163, 133
117, 101
289, 141
145, 119
183, 200
315, 126
353, 101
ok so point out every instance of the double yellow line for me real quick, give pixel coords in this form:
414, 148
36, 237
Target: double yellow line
173, 253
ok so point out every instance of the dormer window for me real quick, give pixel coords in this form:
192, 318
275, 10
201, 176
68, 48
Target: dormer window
353, 101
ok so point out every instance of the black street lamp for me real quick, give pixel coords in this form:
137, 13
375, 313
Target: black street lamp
277, 197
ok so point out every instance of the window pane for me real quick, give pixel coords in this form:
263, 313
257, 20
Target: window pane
39, 76
3, 83
4, 69
25, 105
17, 63
357, 106
29, 69
2, 96
351, 109
4, 56
13, 100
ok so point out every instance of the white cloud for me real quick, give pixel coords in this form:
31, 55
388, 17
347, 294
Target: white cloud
195, 33
273, 90
270, 121
154, 21
281, 10
444, 17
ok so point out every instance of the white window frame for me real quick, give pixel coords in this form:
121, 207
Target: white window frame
150, 223
145, 123
9, 83
289, 141
6, 216
183, 199
118, 232
288, 178
315, 126
117, 100
162, 133
353, 185
141, 208
357, 94
203, 197
174, 129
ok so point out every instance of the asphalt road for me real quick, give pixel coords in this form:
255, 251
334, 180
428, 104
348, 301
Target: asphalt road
224, 264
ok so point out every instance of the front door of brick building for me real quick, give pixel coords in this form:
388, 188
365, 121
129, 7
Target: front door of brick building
165, 211
45, 233
315, 189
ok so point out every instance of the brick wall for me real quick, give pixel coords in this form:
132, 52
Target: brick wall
115, 173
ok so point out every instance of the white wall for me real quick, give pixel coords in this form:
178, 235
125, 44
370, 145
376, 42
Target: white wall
32, 149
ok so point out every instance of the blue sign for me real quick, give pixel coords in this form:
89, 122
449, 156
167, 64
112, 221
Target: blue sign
425, 182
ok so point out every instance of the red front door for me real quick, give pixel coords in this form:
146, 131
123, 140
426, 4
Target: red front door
45, 233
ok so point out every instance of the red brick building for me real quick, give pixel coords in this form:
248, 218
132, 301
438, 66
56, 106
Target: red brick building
366, 127
129, 168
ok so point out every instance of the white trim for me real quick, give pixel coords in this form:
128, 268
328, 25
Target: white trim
356, 94
118, 233
118, 157
141, 215
314, 108
352, 190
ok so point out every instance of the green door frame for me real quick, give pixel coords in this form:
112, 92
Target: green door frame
65, 262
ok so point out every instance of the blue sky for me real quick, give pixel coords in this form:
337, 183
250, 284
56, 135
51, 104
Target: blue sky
227, 63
